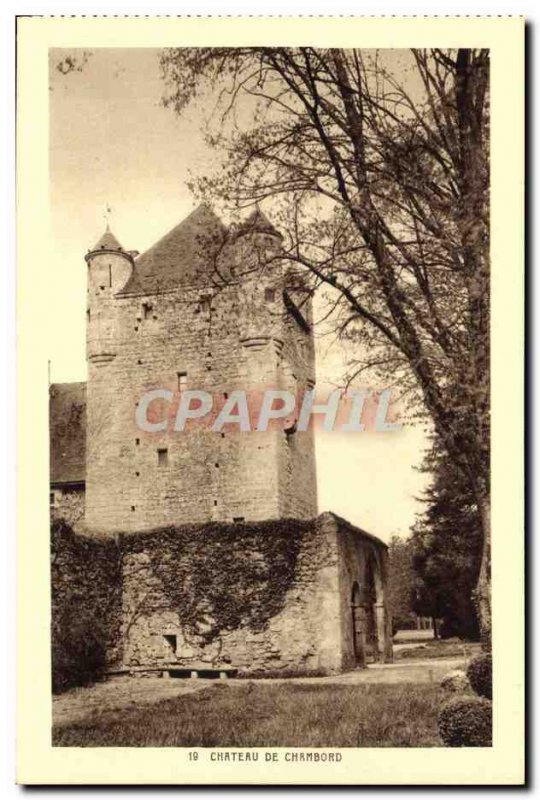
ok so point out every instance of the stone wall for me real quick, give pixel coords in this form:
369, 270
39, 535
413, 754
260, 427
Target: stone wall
68, 503
226, 339
255, 597
263, 597
362, 559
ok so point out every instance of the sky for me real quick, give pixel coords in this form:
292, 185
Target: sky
113, 144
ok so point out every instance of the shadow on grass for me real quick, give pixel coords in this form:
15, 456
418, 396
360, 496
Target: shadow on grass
256, 715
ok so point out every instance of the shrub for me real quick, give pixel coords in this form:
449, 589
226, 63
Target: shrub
85, 605
466, 722
78, 651
455, 681
480, 676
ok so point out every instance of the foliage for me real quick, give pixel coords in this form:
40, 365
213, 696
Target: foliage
70, 509
455, 681
401, 584
222, 576
85, 597
217, 577
247, 714
446, 544
466, 722
376, 166
479, 673
78, 650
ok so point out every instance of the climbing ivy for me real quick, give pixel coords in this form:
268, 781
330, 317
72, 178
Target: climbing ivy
221, 576
86, 596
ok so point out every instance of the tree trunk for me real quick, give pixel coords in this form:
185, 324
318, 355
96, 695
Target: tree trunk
482, 593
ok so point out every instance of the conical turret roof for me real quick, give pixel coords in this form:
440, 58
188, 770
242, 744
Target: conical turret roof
108, 242
257, 222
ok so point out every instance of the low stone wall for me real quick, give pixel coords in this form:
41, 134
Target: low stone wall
269, 597
259, 597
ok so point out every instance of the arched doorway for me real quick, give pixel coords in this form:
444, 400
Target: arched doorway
358, 626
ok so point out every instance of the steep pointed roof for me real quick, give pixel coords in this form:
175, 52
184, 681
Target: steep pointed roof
183, 257
108, 242
257, 222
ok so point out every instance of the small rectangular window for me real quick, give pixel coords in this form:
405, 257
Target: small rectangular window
182, 381
238, 519
270, 295
205, 304
52, 499
146, 310
163, 456
170, 638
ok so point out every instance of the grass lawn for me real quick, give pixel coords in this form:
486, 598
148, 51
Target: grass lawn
247, 714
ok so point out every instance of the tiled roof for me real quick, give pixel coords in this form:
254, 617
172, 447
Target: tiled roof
67, 432
108, 242
183, 257
257, 222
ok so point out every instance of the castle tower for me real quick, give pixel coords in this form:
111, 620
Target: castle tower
205, 308
109, 267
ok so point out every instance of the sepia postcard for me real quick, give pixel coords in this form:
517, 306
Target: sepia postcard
271, 380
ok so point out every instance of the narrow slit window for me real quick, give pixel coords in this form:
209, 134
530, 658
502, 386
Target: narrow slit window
146, 310
182, 381
110, 276
163, 456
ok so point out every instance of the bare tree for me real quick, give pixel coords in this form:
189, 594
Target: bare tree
379, 173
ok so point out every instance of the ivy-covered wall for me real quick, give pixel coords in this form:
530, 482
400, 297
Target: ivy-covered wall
258, 597
69, 506
86, 606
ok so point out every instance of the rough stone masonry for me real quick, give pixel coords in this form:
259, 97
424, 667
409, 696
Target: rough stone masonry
199, 517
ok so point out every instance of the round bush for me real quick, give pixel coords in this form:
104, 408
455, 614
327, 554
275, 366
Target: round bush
479, 675
466, 722
455, 681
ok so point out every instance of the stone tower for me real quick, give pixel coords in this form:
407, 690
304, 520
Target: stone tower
206, 308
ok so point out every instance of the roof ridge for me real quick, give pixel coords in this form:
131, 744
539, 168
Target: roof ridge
202, 207
181, 256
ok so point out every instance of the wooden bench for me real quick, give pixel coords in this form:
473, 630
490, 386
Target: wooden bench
200, 671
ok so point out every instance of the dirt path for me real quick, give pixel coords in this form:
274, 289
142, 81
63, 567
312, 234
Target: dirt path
428, 671
120, 693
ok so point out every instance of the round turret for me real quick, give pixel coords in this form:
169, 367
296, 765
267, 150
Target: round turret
258, 224
110, 265
109, 269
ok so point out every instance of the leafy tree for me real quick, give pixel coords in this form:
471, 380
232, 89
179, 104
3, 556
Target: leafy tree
376, 165
401, 580
446, 545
